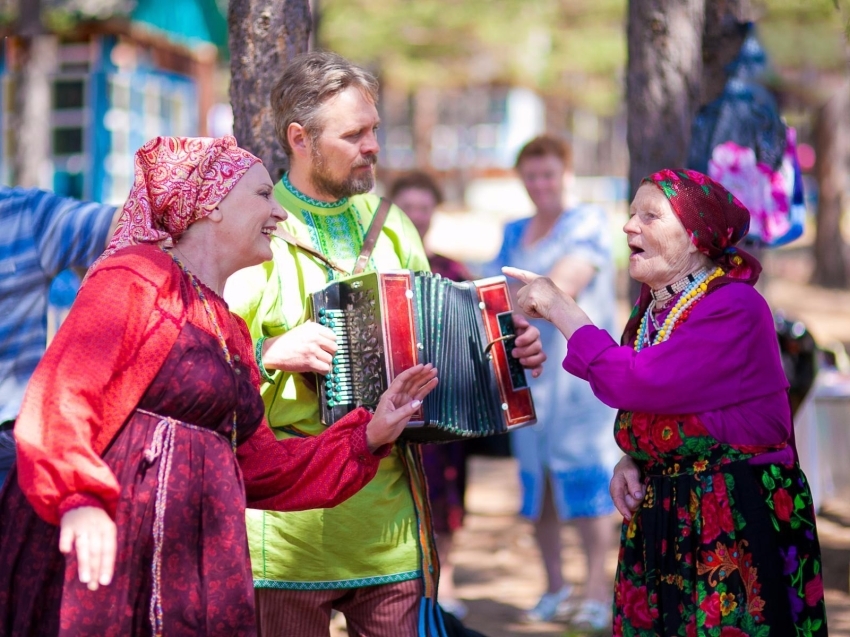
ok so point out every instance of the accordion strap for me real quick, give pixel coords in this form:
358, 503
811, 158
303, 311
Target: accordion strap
372, 235
292, 240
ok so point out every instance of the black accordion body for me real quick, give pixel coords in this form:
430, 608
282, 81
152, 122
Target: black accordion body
388, 322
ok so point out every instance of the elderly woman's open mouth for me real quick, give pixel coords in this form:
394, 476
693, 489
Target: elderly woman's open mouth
635, 250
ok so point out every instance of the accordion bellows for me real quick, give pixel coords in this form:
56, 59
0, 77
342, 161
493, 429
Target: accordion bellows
387, 322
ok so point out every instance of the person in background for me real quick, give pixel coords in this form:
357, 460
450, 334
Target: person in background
418, 195
42, 235
719, 536
142, 433
565, 460
372, 557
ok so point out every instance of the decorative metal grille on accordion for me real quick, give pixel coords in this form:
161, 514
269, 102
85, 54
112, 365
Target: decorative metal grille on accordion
387, 322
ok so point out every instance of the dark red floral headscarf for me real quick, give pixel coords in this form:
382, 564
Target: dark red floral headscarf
714, 220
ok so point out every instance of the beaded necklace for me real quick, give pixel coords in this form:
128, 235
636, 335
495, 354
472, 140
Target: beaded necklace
692, 293
669, 291
211, 315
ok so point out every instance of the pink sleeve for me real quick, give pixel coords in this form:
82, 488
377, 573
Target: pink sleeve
725, 353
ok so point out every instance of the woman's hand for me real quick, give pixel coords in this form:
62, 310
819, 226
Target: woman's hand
626, 487
541, 298
399, 403
91, 533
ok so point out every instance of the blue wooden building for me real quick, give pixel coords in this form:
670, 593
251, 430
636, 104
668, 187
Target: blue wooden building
126, 71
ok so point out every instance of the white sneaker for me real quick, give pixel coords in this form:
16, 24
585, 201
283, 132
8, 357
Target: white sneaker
548, 606
592, 615
455, 607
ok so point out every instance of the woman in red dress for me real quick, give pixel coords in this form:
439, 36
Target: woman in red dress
140, 439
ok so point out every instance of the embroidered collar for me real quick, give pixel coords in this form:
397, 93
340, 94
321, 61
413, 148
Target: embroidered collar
310, 204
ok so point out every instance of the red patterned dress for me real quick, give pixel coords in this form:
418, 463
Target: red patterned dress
132, 410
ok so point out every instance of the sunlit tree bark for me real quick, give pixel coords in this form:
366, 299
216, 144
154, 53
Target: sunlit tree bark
264, 34
38, 53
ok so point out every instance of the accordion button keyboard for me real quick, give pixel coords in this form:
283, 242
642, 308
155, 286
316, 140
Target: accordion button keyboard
338, 379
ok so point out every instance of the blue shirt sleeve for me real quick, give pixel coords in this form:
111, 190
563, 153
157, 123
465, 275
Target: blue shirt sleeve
510, 239
68, 233
584, 233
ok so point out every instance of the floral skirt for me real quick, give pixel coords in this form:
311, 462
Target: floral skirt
720, 547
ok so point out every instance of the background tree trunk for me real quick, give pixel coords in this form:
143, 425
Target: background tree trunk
263, 35
425, 107
662, 86
721, 42
38, 61
830, 264
663, 82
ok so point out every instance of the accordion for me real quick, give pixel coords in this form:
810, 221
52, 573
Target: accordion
387, 322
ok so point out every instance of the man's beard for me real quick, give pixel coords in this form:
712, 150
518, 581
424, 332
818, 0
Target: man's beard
328, 185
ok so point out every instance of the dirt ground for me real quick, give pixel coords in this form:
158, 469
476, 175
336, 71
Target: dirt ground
499, 572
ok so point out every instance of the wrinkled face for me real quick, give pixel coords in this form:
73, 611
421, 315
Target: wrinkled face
661, 251
346, 150
418, 204
543, 178
250, 214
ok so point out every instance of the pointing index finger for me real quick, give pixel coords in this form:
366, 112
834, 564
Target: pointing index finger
522, 275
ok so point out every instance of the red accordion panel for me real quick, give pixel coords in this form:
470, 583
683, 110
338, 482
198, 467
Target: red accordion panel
400, 332
520, 407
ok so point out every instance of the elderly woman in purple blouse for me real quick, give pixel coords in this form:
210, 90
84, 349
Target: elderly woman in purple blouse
719, 533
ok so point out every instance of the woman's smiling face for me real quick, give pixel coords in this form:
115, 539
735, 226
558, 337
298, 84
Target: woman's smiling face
661, 250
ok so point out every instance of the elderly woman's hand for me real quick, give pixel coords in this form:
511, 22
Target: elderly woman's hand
399, 403
541, 298
626, 487
91, 533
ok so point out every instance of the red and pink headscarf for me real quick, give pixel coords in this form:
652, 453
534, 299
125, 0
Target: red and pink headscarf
714, 220
178, 180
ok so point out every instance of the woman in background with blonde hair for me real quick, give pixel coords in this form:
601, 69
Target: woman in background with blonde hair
565, 460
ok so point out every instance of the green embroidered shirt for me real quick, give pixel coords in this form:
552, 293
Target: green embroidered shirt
372, 538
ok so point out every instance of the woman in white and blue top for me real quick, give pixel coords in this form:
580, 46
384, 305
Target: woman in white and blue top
566, 459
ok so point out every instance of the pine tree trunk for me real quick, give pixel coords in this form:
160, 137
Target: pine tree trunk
662, 85
663, 82
721, 42
426, 103
830, 261
38, 55
264, 34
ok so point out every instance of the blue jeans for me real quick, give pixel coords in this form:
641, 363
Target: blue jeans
7, 453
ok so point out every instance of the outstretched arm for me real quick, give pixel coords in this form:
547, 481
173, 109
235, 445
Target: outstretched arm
322, 471
541, 298
306, 473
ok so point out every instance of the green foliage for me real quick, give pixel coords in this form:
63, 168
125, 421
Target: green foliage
572, 47
8, 11
804, 34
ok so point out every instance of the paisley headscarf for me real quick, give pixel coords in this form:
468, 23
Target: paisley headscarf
714, 220
178, 180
